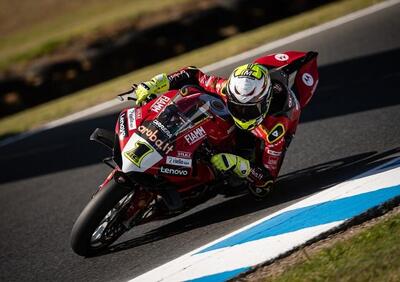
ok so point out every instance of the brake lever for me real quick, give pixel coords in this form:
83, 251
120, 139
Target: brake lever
132, 90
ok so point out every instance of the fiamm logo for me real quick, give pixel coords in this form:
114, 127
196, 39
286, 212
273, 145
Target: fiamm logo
195, 135
160, 104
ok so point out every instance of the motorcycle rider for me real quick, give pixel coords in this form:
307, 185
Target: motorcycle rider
262, 105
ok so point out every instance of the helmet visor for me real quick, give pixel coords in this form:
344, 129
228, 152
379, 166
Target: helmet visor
248, 111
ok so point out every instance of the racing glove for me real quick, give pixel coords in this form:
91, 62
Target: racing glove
226, 162
158, 84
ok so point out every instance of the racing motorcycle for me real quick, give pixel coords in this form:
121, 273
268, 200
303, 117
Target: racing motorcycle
160, 159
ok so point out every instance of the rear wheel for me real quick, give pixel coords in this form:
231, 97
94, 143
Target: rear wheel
100, 223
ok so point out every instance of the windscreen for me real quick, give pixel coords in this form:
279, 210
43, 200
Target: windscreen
179, 115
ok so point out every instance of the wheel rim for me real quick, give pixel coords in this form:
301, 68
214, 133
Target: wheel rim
110, 226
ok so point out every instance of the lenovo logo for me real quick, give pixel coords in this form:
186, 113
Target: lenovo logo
174, 171
122, 128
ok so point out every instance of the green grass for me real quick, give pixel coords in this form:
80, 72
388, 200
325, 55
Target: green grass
58, 108
372, 255
42, 36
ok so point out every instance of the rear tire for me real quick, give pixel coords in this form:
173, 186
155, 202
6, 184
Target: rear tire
93, 216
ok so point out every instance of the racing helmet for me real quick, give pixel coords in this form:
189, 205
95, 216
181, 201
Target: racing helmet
249, 95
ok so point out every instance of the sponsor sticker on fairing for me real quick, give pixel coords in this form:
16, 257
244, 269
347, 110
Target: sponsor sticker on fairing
281, 57
274, 153
159, 105
183, 154
163, 128
152, 135
195, 135
131, 119
307, 79
122, 127
174, 171
179, 161
139, 155
276, 133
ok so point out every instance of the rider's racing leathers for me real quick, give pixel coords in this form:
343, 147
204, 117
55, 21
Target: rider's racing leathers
265, 145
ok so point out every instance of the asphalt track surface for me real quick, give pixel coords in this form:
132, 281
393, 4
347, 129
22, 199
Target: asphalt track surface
352, 124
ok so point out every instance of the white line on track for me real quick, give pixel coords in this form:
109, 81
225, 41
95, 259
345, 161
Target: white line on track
218, 65
251, 250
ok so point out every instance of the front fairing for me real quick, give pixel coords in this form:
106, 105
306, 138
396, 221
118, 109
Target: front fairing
162, 136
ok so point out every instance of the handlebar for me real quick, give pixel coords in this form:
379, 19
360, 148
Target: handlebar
131, 91
128, 95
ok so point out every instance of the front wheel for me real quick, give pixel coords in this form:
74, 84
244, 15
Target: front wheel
100, 223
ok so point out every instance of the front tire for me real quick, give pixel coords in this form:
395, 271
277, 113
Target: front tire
102, 214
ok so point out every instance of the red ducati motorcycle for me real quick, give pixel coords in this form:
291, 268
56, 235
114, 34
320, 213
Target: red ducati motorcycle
161, 160
159, 150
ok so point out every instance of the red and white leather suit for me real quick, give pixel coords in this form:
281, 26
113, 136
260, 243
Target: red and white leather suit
265, 149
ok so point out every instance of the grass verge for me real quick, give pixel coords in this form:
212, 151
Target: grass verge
36, 116
371, 255
57, 23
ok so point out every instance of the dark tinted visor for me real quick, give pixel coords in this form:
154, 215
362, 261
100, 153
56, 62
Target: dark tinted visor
248, 111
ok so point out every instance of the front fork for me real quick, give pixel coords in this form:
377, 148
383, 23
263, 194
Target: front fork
140, 200
107, 180
137, 208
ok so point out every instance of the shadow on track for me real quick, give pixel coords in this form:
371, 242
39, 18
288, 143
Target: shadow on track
347, 87
289, 187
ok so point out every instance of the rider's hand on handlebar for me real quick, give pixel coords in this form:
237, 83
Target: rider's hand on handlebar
156, 85
226, 162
